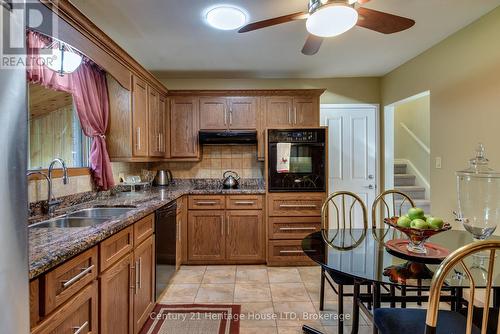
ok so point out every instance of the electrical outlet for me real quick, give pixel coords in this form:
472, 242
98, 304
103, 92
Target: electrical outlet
438, 162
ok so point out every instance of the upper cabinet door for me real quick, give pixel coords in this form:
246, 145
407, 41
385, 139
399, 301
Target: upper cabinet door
213, 113
164, 126
278, 111
184, 127
140, 117
242, 113
305, 111
155, 124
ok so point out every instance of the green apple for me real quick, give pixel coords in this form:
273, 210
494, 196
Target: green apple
415, 213
426, 217
435, 223
419, 224
404, 221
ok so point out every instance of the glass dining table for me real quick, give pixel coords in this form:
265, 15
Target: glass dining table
368, 262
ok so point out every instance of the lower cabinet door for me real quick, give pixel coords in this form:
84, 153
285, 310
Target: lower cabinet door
206, 237
245, 235
144, 294
116, 299
77, 315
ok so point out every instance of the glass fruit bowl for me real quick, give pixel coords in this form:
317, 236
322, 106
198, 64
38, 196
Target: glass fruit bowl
417, 237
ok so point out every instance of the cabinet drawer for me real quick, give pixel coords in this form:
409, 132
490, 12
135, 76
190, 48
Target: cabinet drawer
143, 229
115, 247
64, 281
298, 204
206, 202
78, 315
244, 202
287, 252
293, 227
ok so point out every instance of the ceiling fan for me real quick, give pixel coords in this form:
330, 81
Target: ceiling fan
328, 18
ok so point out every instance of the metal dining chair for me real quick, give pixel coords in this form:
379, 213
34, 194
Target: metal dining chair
435, 321
390, 203
343, 205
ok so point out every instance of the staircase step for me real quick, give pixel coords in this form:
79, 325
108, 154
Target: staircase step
419, 203
404, 180
399, 168
414, 192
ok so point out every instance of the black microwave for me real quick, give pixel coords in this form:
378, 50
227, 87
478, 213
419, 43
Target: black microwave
296, 160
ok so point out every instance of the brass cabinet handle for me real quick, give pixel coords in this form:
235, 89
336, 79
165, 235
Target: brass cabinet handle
136, 277
138, 133
140, 272
78, 330
84, 272
297, 228
291, 252
244, 202
225, 115
297, 205
206, 202
222, 226
134, 274
231, 116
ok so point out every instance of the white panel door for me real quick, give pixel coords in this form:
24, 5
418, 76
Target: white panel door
352, 136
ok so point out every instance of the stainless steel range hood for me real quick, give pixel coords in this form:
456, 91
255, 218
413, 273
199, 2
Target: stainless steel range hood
235, 137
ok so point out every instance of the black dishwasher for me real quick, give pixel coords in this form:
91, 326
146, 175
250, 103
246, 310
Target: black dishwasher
165, 239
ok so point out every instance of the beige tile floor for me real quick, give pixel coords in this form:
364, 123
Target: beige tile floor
273, 300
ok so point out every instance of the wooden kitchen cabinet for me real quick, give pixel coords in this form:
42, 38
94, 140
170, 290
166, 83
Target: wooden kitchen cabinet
156, 124
305, 111
140, 125
206, 240
228, 113
242, 113
116, 297
144, 292
165, 121
278, 111
295, 204
184, 126
213, 113
245, 239
79, 313
61, 283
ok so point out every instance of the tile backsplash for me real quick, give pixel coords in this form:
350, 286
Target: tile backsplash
214, 162
216, 159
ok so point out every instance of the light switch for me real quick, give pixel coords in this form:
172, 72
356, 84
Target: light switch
438, 162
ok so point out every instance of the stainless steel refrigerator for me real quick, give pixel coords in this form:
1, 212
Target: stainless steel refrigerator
14, 305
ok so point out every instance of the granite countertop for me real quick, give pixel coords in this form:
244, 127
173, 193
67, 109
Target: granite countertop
49, 247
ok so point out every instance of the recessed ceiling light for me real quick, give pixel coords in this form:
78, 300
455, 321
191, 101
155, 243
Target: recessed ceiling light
226, 17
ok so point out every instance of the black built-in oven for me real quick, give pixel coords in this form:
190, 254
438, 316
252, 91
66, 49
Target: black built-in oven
305, 168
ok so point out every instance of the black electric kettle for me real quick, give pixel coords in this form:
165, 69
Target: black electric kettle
230, 180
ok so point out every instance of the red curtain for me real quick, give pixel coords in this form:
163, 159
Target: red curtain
88, 86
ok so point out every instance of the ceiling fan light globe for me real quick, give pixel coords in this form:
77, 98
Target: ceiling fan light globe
333, 20
70, 62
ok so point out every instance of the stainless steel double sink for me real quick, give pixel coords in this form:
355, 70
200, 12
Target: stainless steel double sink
85, 218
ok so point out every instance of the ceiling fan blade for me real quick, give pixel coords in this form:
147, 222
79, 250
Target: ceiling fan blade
274, 21
313, 43
361, 2
383, 22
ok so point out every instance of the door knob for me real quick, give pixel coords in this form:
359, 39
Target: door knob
371, 177
371, 186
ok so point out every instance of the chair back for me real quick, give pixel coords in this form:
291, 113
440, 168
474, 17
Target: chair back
388, 204
450, 263
343, 209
